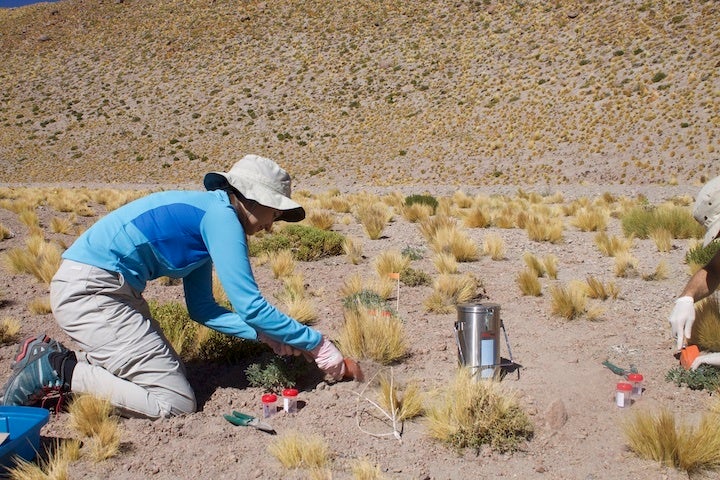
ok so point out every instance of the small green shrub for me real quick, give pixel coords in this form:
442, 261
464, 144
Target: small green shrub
305, 242
275, 373
414, 278
218, 347
366, 298
423, 199
412, 253
677, 220
700, 255
706, 377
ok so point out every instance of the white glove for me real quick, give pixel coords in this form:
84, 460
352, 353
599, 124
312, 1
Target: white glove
709, 358
682, 319
279, 348
329, 359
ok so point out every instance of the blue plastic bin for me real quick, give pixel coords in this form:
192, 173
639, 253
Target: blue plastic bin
23, 424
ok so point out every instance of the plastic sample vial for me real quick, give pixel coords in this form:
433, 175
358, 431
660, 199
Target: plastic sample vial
636, 380
268, 403
623, 394
290, 400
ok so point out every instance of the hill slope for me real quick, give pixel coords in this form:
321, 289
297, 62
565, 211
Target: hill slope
383, 93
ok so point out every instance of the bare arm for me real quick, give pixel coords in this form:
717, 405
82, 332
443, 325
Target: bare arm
704, 281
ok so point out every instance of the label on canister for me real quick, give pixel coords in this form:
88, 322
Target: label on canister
487, 357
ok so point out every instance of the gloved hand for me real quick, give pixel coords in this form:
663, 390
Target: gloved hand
682, 319
709, 358
282, 349
329, 359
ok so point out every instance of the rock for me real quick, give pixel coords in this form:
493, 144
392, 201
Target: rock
556, 415
43, 38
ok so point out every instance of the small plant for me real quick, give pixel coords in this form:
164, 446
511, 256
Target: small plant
424, 199
365, 298
39, 258
406, 403
476, 217
705, 377
454, 241
471, 414
306, 243
626, 265
275, 373
591, 220
412, 253
640, 221
534, 264
364, 470
550, 263
414, 278
700, 255
300, 450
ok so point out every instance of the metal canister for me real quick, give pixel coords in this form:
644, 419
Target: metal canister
477, 334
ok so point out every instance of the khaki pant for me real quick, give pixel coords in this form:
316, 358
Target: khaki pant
124, 355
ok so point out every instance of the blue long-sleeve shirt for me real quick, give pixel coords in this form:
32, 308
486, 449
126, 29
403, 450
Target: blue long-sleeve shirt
181, 234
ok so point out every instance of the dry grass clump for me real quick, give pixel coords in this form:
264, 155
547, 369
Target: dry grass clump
376, 335
706, 329
597, 289
40, 306
296, 302
591, 219
282, 263
55, 465
529, 283
662, 238
534, 264
544, 229
626, 265
613, 246
373, 217
390, 261
450, 290
404, 402
494, 246
570, 301
5, 232
364, 470
452, 240
416, 212
477, 217
471, 413
9, 329
550, 263
661, 272
658, 437
39, 258
300, 450
92, 417
322, 219
60, 225
353, 250
445, 262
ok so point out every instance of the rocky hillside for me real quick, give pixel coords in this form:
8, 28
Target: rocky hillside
367, 92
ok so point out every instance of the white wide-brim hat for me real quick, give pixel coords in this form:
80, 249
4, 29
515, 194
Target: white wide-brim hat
260, 179
707, 209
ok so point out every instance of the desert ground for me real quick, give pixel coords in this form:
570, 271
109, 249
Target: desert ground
560, 102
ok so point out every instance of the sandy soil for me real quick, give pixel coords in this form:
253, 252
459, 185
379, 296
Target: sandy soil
562, 383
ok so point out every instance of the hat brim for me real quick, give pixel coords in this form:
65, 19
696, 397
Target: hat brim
712, 232
292, 211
